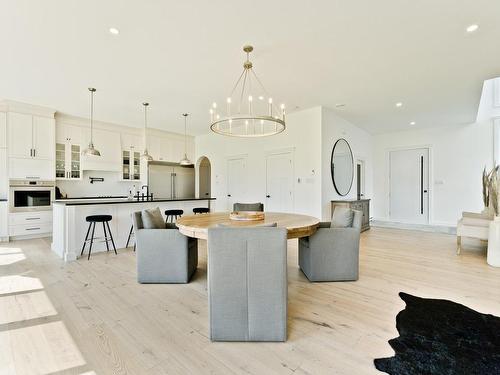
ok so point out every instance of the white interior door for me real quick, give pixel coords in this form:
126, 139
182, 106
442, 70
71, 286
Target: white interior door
279, 182
409, 186
236, 181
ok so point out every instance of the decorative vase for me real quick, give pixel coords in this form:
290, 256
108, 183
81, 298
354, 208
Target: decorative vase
493, 257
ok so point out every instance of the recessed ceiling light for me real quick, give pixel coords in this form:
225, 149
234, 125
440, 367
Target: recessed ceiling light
114, 31
399, 104
412, 123
472, 28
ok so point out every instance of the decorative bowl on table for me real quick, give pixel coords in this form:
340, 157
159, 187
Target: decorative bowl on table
247, 216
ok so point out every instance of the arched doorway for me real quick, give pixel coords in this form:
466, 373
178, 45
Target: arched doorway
204, 177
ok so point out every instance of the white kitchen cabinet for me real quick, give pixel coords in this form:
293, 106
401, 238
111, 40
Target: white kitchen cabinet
68, 152
4, 176
4, 228
43, 138
20, 131
30, 223
69, 133
131, 165
31, 169
3, 130
68, 161
169, 149
131, 157
131, 142
166, 150
154, 147
31, 136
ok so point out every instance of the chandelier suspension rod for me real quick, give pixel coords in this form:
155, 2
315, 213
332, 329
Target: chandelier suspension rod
242, 91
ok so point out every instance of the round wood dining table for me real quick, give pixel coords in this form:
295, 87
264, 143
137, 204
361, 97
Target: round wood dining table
196, 226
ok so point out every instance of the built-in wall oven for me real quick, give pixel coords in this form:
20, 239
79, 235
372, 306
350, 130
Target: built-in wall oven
26, 196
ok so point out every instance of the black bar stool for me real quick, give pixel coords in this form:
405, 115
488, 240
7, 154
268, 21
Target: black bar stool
130, 234
173, 215
201, 210
92, 220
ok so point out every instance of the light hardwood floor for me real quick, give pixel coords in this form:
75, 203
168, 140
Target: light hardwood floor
92, 316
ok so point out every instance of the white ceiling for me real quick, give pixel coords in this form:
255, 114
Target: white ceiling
182, 55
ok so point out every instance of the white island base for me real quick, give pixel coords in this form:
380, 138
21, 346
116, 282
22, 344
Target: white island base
70, 227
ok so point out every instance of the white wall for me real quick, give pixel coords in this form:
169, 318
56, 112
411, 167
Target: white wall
303, 134
83, 188
458, 156
334, 127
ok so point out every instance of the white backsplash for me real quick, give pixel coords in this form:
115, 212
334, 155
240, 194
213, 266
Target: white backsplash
112, 185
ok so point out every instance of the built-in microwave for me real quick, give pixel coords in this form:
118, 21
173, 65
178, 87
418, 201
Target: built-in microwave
28, 196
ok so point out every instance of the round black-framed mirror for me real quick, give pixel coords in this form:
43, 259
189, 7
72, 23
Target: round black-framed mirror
342, 167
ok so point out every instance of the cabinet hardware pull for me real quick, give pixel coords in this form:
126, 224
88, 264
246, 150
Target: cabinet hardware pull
32, 228
33, 218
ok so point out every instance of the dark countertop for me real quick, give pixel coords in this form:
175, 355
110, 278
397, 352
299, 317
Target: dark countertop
90, 201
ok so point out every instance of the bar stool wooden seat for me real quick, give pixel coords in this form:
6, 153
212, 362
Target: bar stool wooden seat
92, 220
173, 215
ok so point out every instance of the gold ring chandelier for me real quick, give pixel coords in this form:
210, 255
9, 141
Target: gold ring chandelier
252, 116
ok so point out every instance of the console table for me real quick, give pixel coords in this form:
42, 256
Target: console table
357, 204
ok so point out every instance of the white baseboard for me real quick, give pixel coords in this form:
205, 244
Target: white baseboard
422, 227
30, 236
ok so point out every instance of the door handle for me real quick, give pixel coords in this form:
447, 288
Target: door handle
268, 196
421, 185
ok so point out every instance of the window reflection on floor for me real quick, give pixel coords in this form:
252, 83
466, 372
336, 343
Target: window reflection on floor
25, 306
10, 255
33, 340
40, 349
18, 284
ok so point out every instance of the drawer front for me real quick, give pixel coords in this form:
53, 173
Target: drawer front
24, 230
357, 206
22, 218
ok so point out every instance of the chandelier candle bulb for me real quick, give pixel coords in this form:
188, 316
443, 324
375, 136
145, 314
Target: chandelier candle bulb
211, 115
228, 107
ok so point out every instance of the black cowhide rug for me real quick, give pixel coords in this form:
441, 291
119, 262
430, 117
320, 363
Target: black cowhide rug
443, 338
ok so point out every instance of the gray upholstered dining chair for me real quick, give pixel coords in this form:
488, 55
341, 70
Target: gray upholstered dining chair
257, 207
247, 284
332, 253
163, 255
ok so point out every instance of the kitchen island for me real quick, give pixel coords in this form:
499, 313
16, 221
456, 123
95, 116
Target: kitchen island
69, 225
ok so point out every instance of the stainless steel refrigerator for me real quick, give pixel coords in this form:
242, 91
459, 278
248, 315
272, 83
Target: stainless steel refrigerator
171, 181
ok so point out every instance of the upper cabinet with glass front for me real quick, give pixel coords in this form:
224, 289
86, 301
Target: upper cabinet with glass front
68, 152
131, 157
